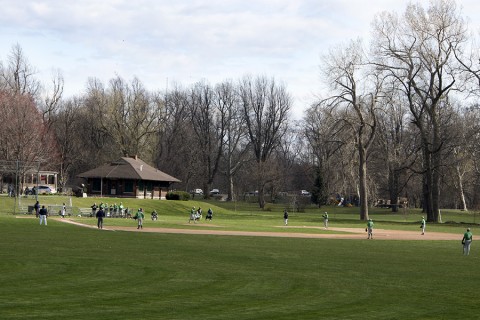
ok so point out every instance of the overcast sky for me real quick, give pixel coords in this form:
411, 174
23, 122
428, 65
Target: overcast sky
163, 42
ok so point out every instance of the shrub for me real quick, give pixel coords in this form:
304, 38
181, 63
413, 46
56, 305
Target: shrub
178, 195
267, 207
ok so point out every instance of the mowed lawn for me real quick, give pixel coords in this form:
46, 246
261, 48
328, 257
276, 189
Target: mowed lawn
67, 272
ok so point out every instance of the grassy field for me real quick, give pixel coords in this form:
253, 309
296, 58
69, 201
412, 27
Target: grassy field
66, 272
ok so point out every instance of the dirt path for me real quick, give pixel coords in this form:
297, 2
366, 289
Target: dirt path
347, 233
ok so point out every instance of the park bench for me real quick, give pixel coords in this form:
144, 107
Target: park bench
85, 212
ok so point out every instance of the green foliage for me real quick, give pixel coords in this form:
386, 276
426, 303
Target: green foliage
267, 207
302, 203
178, 195
319, 192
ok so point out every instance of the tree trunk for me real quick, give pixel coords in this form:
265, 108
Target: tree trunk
460, 188
261, 184
261, 198
230, 188
436, 157
427, 206
362, 170
393, 180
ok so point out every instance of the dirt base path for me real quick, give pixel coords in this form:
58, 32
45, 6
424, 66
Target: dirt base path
347, 233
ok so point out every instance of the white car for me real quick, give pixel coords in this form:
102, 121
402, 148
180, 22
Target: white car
214, 191
46, 190
197, 191
304, 193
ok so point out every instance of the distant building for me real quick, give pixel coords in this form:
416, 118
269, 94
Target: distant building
128, 177
21, 177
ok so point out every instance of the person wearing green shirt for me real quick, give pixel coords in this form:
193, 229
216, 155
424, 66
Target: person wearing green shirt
105, 208
423, 225
325, 220
139, 216
466, 241
121, 209
370, 228
192, 215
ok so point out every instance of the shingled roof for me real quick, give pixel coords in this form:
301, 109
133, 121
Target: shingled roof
128, 168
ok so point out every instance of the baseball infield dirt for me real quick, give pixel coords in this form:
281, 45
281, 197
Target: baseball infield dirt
346, 233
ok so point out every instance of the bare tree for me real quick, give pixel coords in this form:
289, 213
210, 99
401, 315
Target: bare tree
18, 75
133, 117
396, 149
236, 145
265, 107
25, 137
327, 145
128, 114
98, 141
68, 127
208, 118
418, 51
52, 99
176, 148
356, 92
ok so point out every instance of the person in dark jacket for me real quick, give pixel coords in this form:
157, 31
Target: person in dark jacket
100, 215
209, 214
36, 207
43, 213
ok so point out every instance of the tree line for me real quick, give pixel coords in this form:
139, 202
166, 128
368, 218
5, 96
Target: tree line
398, 118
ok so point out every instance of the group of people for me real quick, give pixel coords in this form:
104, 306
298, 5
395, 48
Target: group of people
139, 216
112, 210
466, 241
324, 216
41, 212
196, 215
30, 191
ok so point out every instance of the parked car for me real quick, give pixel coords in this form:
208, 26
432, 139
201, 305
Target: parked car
197, 191
304, 193
251, 193
46, 190
214, 191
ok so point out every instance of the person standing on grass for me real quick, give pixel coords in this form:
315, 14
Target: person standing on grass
209, 214
423, 225
192, 215
154, 215
370, 229
285, 216
139, 216
43, 215
64, 210
100, 215
325, 220
94, 209
467, 241
120, 207
199, 213
36, 207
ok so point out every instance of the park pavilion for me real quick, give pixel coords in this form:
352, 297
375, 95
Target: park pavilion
128, 177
